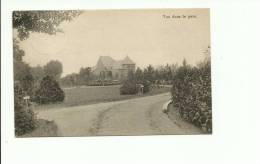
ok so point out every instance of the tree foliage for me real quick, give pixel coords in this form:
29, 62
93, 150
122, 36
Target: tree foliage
37, 73
18, 53
40, 21
53, 68
85, 75
149, 73
139, 75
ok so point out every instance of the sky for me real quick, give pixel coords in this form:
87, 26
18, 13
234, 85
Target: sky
147, 36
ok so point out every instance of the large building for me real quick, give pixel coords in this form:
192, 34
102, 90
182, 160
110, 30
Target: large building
108, 68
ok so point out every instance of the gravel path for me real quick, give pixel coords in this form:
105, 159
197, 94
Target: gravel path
139, 116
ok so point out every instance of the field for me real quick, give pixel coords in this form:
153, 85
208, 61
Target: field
84, 95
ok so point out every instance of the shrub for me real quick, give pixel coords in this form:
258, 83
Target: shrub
191, 94
49, 91
146, 86
25, 119
128, 87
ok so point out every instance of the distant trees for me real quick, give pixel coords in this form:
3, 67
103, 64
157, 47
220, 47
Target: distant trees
83, 77
156, 74
70, 80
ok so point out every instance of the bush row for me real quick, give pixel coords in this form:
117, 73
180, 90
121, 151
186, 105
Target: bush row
191, 94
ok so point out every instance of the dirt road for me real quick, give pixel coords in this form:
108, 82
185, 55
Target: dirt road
139, 116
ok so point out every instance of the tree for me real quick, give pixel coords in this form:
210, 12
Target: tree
168, 72
131, 75
27, 83
70, 80
18, 53
53, 68
139, 75
85, 75
40, 21
149, 73
174, 68
21, 69
37, 73
49, 91
184, 63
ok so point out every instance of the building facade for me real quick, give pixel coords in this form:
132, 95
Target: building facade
108, 68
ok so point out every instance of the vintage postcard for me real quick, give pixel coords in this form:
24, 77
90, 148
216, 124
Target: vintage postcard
112, 72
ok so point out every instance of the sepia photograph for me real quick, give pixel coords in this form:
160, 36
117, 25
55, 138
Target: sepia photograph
122, 72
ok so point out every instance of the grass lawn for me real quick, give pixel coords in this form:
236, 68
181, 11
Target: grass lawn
96, 94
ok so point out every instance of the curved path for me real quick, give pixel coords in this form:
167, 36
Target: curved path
139, 116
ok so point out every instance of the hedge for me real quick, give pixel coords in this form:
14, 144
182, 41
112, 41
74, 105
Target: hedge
191, 95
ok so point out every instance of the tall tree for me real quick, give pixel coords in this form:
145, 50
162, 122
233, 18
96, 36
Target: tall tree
174, 68
184, 63
139, 75
149, 73
53, 69
168, 72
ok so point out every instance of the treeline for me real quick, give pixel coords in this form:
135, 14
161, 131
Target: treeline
142, 79
83, 77
157, 75
160, 75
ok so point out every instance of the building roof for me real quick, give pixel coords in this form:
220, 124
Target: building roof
127, 60
107, 63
